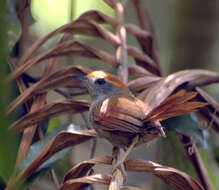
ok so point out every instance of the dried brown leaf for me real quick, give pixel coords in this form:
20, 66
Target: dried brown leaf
59, 142
55, 108
167, 85
142, 59
144, 38
88, 15
38, 102
81, 183
57, 79
142, 83
85, 24
211, 113
29, 133
71, 47
203, 81
107, 35
99, 17
173, 177
209, 99
82, 168
137, 71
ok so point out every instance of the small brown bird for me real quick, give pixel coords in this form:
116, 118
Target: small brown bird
117, 115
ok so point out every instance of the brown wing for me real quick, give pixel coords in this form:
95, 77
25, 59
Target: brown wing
177, 104
119, 114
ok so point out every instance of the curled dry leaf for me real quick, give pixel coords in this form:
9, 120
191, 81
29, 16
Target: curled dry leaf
50, 110
159, 92
71, 47
137, 71
107, 35
202, 82
81, 183
173, 177
211, 113
57, 79
142, 59
82, 168
144, 38
88, 15
99, 17
87, 24
142, 83
59, 142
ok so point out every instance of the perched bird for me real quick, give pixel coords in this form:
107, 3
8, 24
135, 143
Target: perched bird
117, 115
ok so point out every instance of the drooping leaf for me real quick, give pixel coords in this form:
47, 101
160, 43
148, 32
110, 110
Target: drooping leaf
159, 92
50, 110
38, 146
175, 178
60, 78
187, 125
58, 143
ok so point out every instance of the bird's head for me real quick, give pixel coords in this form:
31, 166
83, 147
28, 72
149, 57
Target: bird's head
102, 85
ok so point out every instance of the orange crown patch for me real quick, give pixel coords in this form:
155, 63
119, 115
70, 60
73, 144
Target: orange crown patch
109, 77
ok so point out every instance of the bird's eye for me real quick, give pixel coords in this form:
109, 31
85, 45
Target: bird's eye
100, 81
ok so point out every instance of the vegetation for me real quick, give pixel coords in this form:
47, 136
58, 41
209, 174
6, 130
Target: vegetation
43, 90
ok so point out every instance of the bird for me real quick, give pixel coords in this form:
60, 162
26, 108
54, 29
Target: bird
121, 118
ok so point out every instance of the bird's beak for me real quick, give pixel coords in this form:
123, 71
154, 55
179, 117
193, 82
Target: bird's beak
80, 78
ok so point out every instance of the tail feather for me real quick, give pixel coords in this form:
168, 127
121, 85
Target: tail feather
177, 104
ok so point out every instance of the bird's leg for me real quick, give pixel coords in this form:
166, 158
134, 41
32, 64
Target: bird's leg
121, 161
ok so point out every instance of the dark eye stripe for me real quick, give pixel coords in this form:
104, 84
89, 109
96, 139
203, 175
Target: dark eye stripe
100, 81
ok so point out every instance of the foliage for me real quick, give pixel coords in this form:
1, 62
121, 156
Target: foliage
144, 78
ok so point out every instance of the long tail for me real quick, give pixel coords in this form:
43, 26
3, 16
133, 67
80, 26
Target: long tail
178, 104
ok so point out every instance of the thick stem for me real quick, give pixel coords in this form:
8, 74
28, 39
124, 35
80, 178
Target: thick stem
117, 178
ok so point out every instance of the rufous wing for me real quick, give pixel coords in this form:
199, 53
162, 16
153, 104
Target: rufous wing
119, 114
178, 104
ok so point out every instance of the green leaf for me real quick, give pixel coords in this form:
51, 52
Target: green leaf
38, 146
7, 139
53, 122
13, 26
216, 154
188, 125
211, 167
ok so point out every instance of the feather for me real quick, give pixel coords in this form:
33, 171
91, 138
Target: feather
107, 76
119, 114
175, 105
